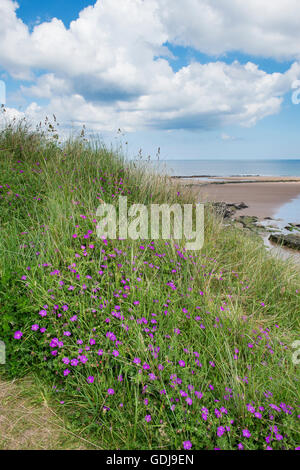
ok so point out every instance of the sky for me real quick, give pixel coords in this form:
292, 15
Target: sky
199, 79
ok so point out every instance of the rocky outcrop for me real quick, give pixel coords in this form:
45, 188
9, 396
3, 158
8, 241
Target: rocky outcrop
290, 240
227, 211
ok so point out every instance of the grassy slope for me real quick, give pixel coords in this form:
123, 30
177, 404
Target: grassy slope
229, 312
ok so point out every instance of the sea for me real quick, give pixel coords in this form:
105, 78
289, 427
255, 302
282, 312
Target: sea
202, 168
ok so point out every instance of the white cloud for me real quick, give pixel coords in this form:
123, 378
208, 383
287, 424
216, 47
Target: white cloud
268, 28
103, 71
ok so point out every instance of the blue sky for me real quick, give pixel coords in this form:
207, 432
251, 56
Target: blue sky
210, 81
35, 11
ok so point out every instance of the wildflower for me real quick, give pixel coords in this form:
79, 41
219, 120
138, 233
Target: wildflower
152, 376
83, 359
148, 418
18, 334
246, 433
90, 379
187, 445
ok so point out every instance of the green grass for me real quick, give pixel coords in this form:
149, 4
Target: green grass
192, 306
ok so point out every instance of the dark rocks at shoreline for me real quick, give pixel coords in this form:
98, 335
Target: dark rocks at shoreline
290, 240
251, 223
248, 221
292, 227
227, 211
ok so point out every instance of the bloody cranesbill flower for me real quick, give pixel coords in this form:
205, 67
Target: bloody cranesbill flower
18, 334
187, 445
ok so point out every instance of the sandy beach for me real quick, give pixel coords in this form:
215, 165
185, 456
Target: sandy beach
263, 195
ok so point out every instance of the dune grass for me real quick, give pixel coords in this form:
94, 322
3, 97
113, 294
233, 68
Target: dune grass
141, 344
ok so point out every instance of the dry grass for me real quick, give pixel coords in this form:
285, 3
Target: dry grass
27, 422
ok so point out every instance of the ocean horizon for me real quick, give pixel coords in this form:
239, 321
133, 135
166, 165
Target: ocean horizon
226, 168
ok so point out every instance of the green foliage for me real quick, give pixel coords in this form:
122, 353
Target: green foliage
14, 309
241, 295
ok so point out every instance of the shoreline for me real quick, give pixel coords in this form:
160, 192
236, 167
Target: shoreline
210, 179
263, 196
272, 203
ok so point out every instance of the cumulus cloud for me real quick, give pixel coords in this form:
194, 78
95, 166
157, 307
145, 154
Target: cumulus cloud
268, 28
110, 68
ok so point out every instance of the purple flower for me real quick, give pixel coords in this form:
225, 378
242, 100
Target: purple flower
187, 445
148, 418
83, 359
110, 391
18, 334
152, 376
246, 433
90, 379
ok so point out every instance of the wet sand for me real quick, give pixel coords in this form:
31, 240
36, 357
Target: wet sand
263, 198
